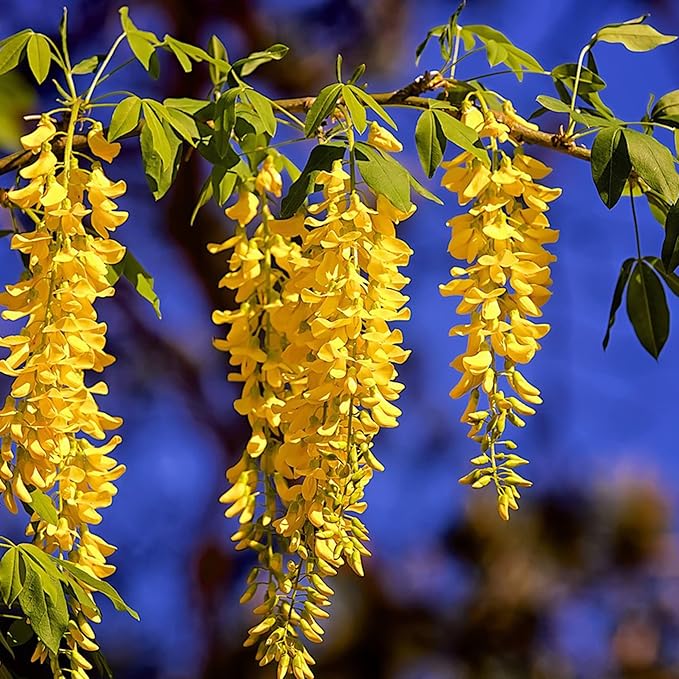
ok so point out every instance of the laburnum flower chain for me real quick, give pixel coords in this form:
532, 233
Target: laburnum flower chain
505, 284
316, 356
51, 416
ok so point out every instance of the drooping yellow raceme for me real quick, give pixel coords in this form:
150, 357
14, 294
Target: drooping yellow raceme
317, 356
51, 415
502, 239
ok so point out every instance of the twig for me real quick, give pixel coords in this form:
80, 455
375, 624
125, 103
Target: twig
407, 96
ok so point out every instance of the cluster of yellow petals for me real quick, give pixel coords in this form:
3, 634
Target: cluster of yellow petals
316, 356
51, 417
502, 239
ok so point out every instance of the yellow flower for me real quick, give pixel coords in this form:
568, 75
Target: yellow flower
381, 138
52, 429
502, 239
99, 145
312, 345
244, 209
268, 178
42, 133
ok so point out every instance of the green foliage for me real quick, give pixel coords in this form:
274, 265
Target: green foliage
141, 280
41, 586
125, 117
621, 284
611, 164
39, 56
323, 106
248, 65
384, 175
142, 43
634, 35
670, 246
500, 50
430, 142
647, 308
320, 158
654, 163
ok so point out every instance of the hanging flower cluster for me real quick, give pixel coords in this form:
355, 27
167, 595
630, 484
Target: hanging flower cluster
51, 415
502, 238
316, 355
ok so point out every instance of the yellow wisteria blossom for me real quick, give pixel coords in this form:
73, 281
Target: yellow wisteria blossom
381, 138
502, 239
316, 355
51, 416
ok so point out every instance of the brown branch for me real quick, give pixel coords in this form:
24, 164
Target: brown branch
402, 97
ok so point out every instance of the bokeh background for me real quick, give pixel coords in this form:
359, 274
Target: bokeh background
584, 580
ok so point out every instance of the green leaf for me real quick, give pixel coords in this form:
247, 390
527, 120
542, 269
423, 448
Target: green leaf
43, 506
671, 279
261, 105
384, 175
39, 56
338, 68
635, 37
595, 119
358, 72
247, 66
142, 43
33, 602
430, 142
323, 106
654, 163
100, 586
552, 104
186, 104
499, 49
461, 135
203, 197
218, 72
320, 158
101, 665
623, 277
588, 83
179, 121
657, 206
125, 117
158, 177
141, 279
356, 109
12, 50
45, 567
161, 142
647, 308
370, 102
435, 32
666, 109
610, 165
670, 246
424, 192
183, 59
12, 575
224, 121
223, 182
86, 66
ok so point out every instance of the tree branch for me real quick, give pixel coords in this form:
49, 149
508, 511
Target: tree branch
407, 96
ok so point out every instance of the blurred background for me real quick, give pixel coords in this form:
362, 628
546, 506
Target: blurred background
584, 581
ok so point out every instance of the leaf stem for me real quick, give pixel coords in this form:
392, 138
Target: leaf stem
634, 218
102, 68
576, 84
